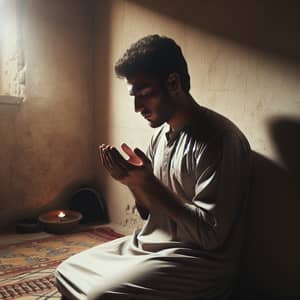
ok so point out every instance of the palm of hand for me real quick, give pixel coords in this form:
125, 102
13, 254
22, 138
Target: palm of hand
133, 158
140, 167
133, 171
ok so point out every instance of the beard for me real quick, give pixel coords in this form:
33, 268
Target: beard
156, 123
164, 110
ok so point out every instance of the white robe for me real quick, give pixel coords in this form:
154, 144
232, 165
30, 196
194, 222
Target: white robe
195, 257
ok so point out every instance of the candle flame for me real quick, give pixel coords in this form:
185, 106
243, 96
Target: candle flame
61, 214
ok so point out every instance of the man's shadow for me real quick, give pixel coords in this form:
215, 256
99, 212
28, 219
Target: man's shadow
271, 256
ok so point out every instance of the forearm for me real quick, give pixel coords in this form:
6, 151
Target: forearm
155, 194
193, 224
140, 207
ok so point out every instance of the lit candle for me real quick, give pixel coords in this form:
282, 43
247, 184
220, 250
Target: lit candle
61, 215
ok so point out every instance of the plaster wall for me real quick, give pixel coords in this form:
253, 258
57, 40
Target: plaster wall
46, 142
243, 62
12, 66
240, 68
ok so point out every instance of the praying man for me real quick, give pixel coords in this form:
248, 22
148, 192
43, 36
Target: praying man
190, 187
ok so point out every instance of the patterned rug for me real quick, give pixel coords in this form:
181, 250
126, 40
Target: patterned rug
27, 268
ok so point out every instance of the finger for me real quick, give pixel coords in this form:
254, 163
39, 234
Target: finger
133, 158
109, 158
119, 159
142, 155
100, 148
119, 169
101, 153
106, 160
127, 149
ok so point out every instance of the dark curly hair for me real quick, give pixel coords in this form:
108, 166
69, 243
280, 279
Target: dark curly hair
154, 56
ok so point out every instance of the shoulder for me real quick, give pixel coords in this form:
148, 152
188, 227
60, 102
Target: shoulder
210, 127
215, 137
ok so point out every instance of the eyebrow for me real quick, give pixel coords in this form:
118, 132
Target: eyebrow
138, 89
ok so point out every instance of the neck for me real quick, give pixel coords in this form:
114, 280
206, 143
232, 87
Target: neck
183, 112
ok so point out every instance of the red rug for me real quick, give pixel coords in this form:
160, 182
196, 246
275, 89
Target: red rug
27, 268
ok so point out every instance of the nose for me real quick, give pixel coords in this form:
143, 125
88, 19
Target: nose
138, 105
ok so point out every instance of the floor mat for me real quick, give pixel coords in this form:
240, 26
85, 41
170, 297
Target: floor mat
27, 268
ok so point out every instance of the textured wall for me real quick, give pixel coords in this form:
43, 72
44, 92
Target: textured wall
46, 142
244, 63
12, 64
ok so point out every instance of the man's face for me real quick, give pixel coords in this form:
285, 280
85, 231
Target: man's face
151, 99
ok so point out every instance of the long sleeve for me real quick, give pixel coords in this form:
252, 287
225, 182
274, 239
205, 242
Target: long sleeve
221, 187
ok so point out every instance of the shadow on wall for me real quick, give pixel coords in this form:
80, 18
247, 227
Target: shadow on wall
271, 260
267, 25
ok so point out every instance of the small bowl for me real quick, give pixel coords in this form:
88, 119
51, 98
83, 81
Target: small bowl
54, 224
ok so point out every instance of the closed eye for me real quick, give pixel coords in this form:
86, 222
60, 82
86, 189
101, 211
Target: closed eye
145, 96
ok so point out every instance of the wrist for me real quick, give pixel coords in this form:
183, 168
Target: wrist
144, 184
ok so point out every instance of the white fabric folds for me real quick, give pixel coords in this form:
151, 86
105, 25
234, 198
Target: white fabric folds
195, 257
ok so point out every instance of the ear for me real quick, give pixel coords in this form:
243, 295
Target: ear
174, 84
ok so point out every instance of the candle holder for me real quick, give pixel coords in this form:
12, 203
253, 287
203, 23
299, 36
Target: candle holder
60, 221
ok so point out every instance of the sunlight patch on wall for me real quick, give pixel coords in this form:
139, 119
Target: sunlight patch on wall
12, 63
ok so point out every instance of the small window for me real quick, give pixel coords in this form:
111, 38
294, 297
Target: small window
12, 64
